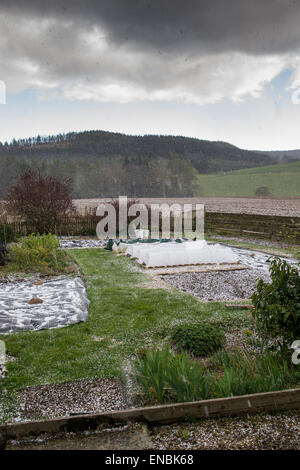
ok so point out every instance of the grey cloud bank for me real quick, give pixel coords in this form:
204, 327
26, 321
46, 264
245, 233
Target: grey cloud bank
196, 51
254, 26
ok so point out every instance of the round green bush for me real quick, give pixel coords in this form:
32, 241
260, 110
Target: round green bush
200, 340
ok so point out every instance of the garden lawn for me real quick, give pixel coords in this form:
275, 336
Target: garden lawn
123, 319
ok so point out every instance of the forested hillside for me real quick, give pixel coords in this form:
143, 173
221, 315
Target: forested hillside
104, 164
284, 156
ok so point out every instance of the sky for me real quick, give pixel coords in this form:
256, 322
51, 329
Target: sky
213, 69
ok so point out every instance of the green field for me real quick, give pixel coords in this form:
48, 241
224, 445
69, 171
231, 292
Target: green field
281, 180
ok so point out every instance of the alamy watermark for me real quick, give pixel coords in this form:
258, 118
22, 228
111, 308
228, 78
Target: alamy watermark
296, 96
296, 354
2, 92
126, 219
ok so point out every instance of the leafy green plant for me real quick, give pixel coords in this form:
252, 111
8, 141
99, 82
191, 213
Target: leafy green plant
246, 374
188, 380
277, 304
151, 371
200, 340
165, 376
37, 251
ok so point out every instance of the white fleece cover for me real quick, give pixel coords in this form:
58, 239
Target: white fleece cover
178, 254
64, 302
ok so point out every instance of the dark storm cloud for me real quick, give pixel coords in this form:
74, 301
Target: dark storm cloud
183, 26
196, 51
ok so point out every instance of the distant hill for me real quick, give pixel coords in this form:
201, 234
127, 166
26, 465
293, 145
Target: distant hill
105, 164
275, 180
283, 156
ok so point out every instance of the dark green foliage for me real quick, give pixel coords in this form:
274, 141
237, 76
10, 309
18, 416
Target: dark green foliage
3, 253
262, 191
200, 340
6, 233
277, 304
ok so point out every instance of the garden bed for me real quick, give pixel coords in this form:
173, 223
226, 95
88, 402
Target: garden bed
39, 304
125, 318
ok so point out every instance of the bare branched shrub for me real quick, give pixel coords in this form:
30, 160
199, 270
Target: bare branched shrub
40, 200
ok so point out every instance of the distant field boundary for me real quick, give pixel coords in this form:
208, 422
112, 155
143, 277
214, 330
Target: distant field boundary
268, 227
275, 228
276, 206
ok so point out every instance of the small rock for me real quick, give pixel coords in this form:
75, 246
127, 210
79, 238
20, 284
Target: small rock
38, 283
35, 300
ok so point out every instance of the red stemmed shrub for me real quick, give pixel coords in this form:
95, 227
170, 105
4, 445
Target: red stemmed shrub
40, 200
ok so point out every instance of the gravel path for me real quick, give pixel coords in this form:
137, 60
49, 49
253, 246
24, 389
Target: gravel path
223, 286
65, 399
252, 432
229, 285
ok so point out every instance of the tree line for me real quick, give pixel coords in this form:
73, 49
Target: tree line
106, 164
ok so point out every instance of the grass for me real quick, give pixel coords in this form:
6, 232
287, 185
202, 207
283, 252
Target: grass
282, 180
123, 319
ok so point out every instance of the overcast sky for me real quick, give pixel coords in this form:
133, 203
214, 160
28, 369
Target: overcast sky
213, 69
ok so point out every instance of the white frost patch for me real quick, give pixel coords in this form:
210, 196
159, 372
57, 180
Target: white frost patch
66, 242
64, 302
257, 259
